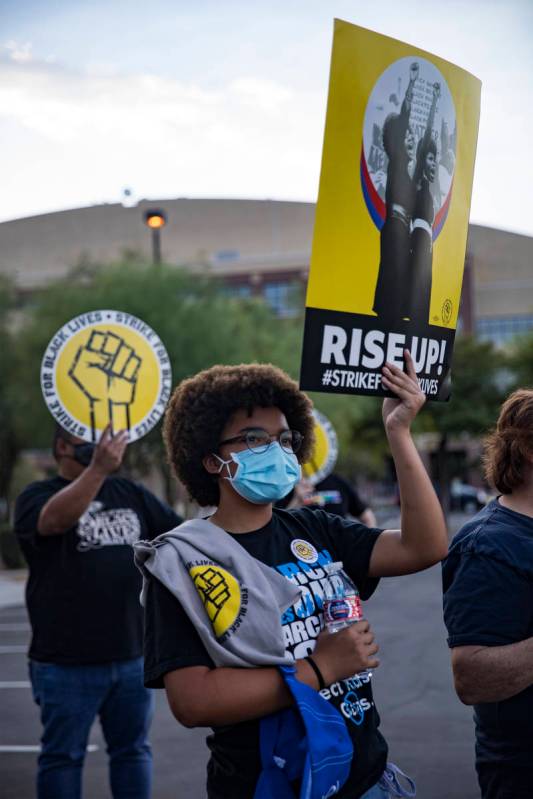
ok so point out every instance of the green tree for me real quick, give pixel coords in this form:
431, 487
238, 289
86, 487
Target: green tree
197, 322
477, 391
478, 386
361, 437
520, 362
9, 441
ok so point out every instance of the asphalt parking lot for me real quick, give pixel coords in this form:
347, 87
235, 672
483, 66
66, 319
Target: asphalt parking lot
429, 732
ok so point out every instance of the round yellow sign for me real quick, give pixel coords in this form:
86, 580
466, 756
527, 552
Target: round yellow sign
324, 455
106, 367
220, 593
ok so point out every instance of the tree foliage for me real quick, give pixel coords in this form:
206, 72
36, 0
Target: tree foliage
478, 386
197, 322
9, 443
520, 362
200, 326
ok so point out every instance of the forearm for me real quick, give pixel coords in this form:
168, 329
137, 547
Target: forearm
429, 125
64, 509
492, 673
407, 100
230, 695
423, 529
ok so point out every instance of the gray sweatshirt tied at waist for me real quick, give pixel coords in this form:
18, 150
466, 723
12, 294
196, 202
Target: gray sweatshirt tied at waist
234, 600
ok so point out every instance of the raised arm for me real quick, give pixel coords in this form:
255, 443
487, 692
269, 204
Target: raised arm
422, 540
424, 142
64, 509
408, 99
203, 697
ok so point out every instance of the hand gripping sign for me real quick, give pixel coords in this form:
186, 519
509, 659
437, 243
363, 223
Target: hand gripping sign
392, 215
106, 367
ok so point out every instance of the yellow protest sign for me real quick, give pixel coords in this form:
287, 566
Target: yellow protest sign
325, 450
392, 215
106, 367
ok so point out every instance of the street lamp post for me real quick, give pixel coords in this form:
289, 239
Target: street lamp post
155, 219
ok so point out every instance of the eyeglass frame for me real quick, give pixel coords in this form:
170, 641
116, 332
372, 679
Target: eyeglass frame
241, 438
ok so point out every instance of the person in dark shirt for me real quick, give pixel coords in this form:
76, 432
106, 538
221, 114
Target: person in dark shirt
76, 531
339, 497
488, 609
235, 436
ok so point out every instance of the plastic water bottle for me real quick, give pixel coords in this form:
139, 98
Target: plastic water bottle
342, 603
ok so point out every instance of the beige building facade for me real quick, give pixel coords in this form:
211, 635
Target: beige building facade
257, 247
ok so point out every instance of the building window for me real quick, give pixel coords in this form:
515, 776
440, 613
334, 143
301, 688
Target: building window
281, 297
223, 256
239, 291
502, 329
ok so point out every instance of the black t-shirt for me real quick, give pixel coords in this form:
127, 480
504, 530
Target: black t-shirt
83, 587
339, 497
171, 642
488, 601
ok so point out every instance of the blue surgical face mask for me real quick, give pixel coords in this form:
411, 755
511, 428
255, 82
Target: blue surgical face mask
265, 477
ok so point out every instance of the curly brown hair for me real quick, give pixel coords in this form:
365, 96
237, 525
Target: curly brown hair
509, 448
201, 406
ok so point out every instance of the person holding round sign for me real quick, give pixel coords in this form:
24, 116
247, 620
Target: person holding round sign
237, 436
76, 531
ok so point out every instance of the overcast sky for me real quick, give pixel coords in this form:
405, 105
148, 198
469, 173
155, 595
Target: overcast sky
227, 98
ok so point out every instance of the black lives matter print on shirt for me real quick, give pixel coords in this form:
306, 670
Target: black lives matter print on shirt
99, 527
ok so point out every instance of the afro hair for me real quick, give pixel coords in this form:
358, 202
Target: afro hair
201, 406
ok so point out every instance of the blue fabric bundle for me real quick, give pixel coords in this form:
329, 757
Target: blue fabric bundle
307, 743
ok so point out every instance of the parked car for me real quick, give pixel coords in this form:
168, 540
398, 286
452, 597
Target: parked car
467, 498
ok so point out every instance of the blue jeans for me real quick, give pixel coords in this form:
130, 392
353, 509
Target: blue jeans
388, 785
70, 698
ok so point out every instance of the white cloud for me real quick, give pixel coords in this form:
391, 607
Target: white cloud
77, 137
94, 131
259, 93
20, 53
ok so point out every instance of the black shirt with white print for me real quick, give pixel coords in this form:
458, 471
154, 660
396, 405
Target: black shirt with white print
83, 586
297, 543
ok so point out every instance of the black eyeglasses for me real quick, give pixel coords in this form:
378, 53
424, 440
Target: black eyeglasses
258, 440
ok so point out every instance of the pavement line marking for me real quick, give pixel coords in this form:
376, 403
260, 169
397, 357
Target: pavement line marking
36, 748
15, 684
8, 650
14, 627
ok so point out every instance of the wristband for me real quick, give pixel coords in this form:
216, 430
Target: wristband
320, 678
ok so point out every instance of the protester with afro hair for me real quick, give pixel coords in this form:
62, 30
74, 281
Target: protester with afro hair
236, 436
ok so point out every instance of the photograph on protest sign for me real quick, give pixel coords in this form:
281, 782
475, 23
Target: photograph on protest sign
392, 216
106, 368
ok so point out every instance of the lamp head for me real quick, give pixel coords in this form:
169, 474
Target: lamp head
155, 218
